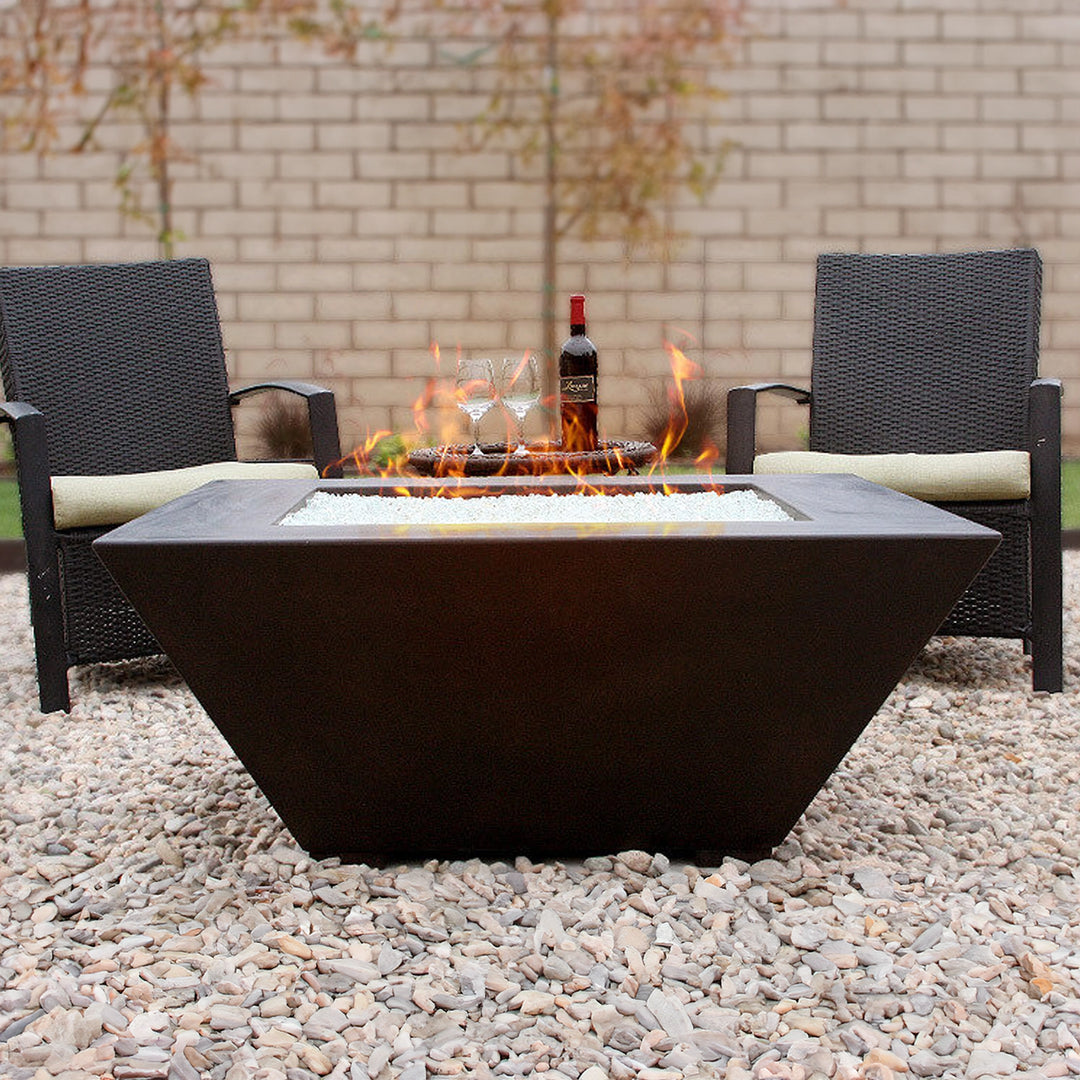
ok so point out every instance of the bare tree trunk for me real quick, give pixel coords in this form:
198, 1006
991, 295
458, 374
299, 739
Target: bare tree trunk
551, 218
159, 152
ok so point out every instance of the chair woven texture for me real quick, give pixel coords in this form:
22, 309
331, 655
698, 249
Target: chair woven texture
927, 354
126, 363
935, 354
96, 349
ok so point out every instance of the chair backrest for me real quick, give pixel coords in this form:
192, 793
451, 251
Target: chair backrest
125, 361
924, 353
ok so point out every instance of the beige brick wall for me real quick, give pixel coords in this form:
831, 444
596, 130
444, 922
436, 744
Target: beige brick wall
348, 232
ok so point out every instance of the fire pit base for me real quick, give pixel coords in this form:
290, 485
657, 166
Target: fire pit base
419, 691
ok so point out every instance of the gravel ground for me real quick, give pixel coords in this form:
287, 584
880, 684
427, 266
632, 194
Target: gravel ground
156, 920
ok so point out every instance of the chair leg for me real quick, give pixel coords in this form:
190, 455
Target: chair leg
50, 650
1046, 584
1047, 653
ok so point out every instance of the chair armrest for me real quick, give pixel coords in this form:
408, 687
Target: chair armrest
29, 438
1044, 442
322, 417
742, 421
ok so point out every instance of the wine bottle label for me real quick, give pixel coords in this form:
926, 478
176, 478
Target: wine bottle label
577, 388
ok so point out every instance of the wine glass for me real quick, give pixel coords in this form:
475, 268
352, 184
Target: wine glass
519, 390
474, 392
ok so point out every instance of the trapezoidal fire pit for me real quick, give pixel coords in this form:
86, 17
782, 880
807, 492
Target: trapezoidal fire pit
561, 689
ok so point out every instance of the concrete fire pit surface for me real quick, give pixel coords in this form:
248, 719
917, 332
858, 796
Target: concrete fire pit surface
921, 920
594, 658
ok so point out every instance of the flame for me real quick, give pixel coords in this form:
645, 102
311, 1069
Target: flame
435, 407
682, 370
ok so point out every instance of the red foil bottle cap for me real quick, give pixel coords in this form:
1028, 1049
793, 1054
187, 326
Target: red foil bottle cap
577, 310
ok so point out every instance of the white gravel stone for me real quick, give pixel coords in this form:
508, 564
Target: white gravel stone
922, 919
333, 508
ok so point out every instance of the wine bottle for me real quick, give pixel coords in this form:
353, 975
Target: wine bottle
577, 384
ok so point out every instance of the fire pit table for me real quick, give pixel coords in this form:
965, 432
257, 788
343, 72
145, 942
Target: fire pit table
556, 689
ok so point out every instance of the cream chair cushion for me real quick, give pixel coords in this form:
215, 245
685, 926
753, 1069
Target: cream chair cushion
83, 501
981, 477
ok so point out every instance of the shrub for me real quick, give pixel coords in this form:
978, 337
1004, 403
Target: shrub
283, 430
706, 417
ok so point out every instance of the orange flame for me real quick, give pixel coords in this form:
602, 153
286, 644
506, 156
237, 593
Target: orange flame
440, 395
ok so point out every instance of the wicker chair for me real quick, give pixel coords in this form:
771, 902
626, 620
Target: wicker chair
110, 370
937, 355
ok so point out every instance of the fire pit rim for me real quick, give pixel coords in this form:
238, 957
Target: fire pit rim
832, 505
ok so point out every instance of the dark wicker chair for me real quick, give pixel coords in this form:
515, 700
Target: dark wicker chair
938, 354
107, 370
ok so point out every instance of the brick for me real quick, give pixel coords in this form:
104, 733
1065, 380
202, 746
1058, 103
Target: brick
768, 52
357, 249
800, 220
392, 334
36, 249
307, 335
980, 136
782, 107
975, 81
278, 79
470, 222
245, 107
398, 276
353, 305
1042, 165
361, 136
488, 304
416, 136
276, 306
394, 165
808, 194
325, 164
899, 80
979, 26
901, 25
431, 195
480, 276
785, 165
473, 166
313, 222
373, 223
1051, 27
664, 306
431, 305
274, 249
61, 222
25, 195
274, 193
863, 53
939, 107
942, 223
1046, 137
283, 138
776, 335
743, 305
353, 193
861, 222
821, 137
901, 136
315, 107
940, 166
903, 193
325, 277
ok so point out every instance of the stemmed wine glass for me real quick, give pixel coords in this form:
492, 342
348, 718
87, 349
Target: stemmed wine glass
519, 390
474, 392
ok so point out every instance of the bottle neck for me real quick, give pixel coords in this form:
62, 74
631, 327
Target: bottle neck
577, 329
